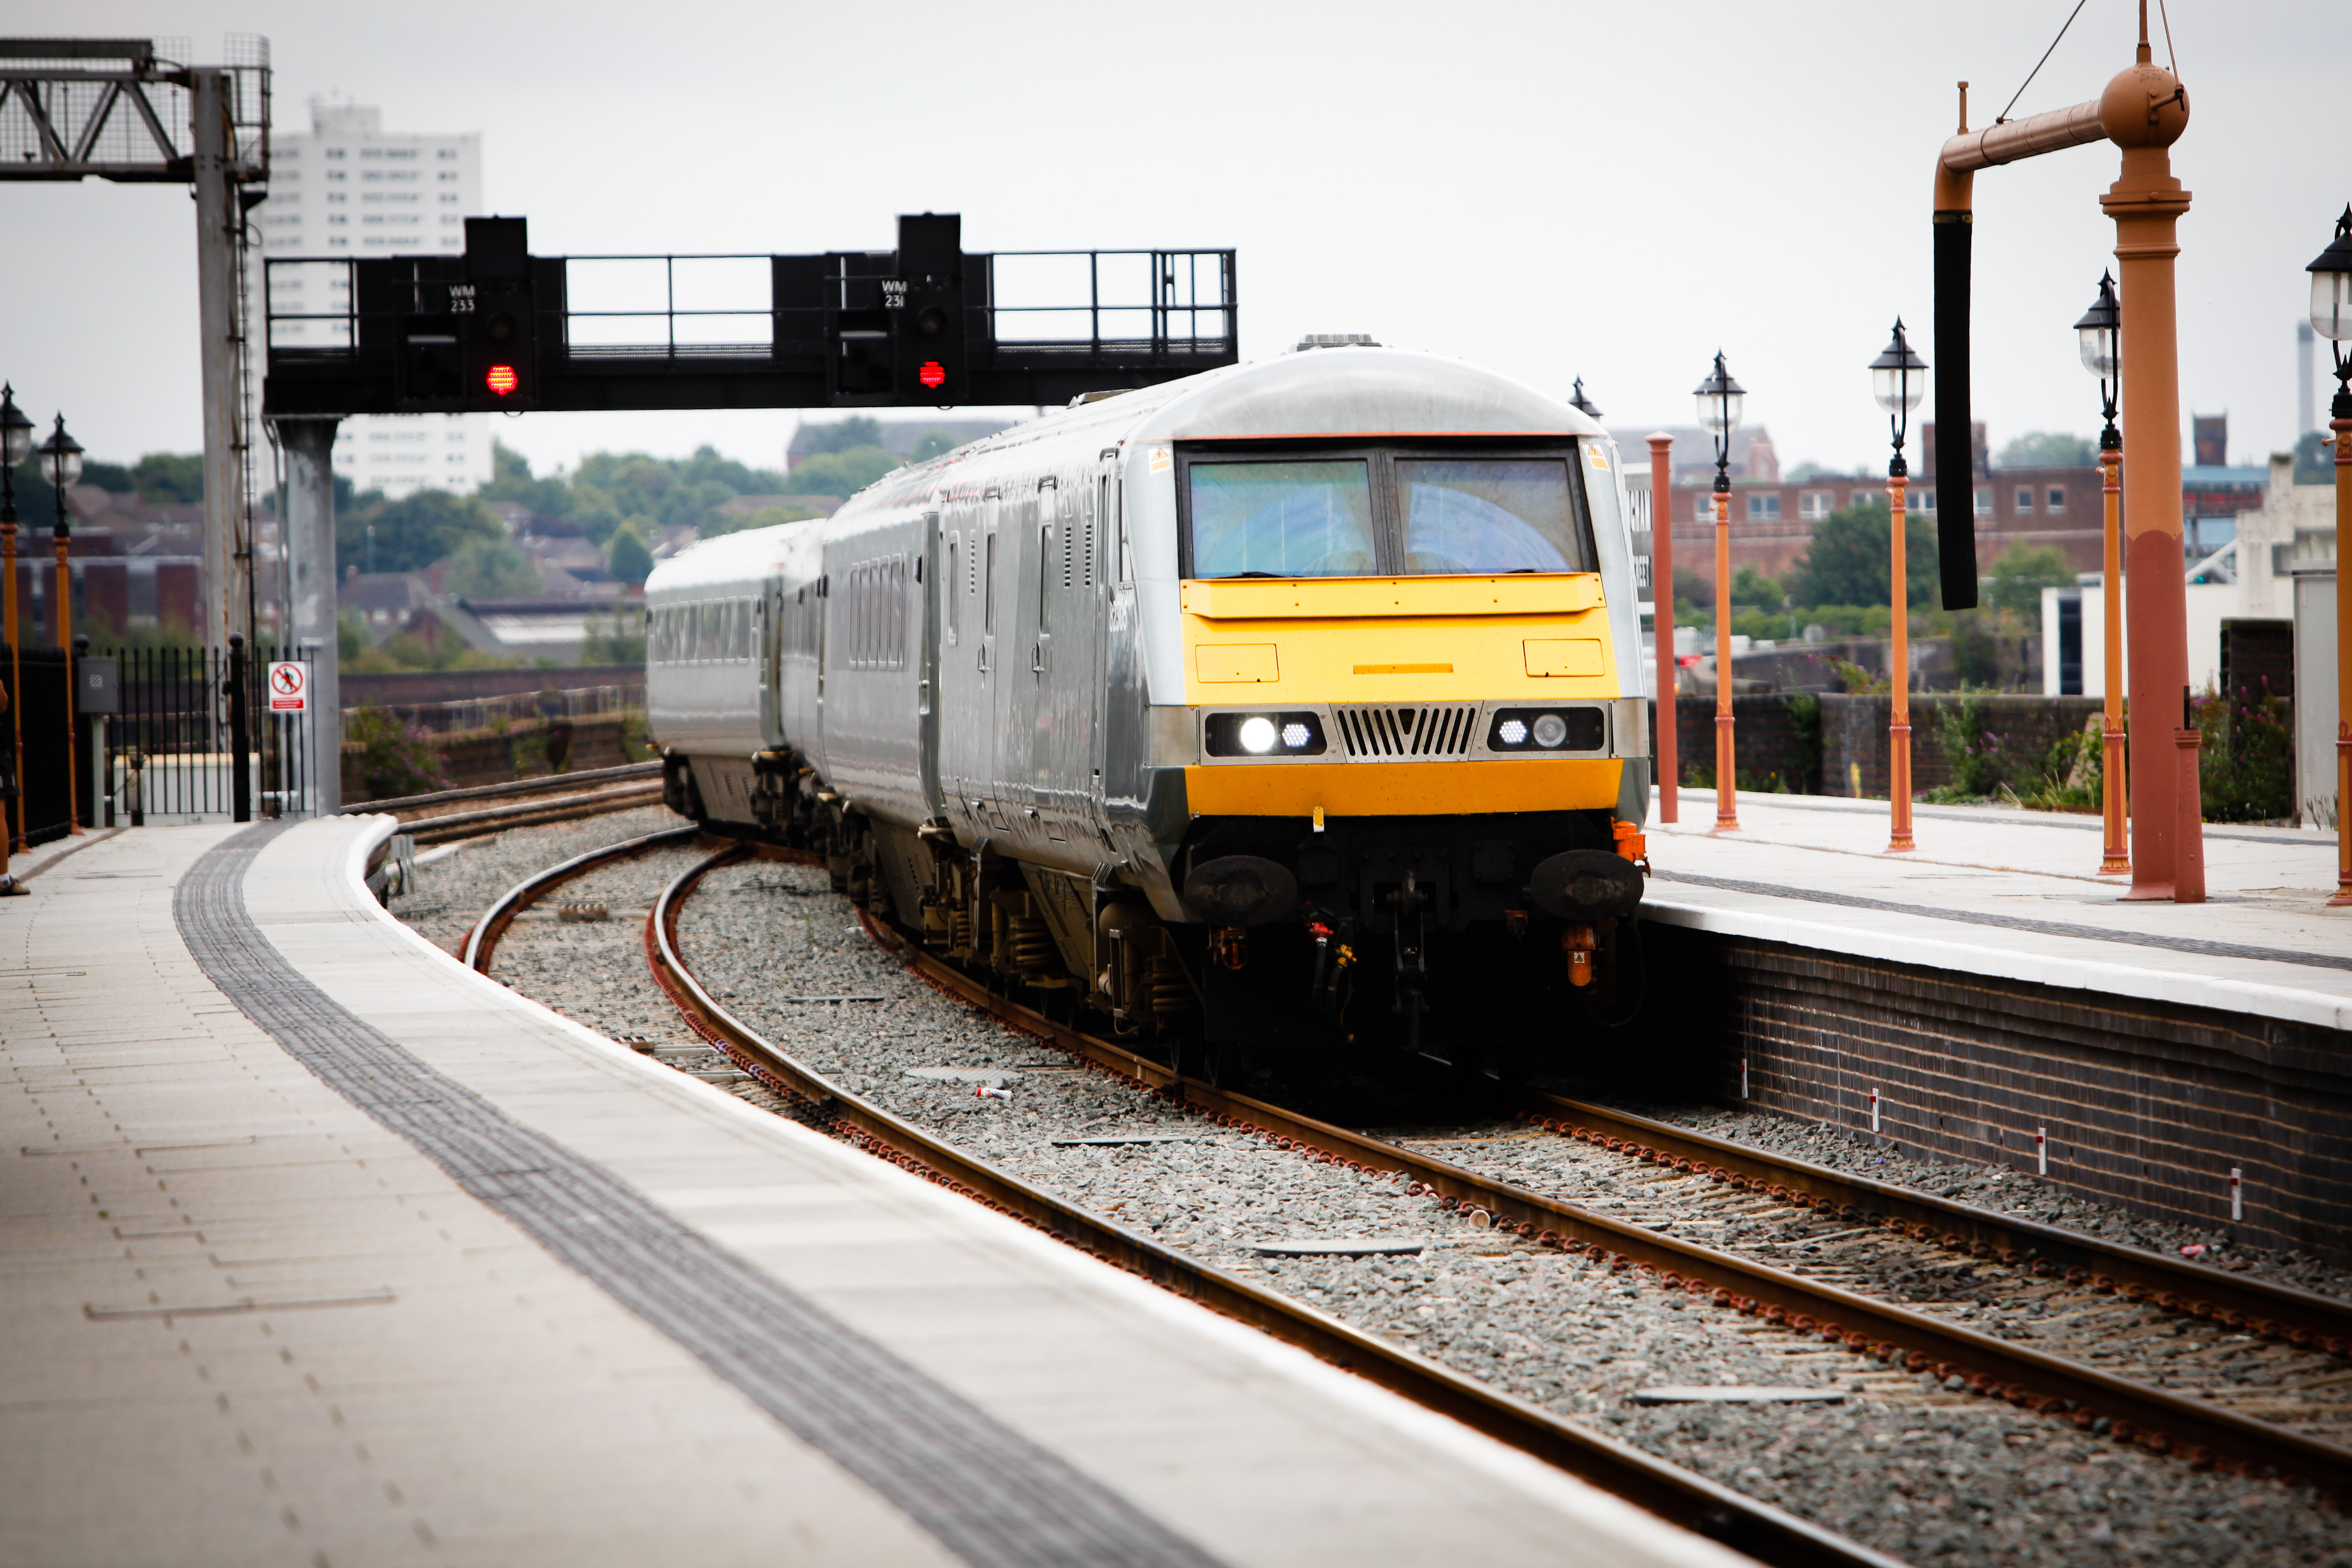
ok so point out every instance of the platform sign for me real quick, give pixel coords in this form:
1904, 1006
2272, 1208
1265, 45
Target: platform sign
290, 687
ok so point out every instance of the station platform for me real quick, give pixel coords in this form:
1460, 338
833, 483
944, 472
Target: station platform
2017, 895
317, 1249
1989, 997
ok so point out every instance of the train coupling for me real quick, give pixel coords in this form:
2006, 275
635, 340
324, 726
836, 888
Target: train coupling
1580, 944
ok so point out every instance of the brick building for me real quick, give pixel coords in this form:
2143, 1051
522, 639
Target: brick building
2057, 507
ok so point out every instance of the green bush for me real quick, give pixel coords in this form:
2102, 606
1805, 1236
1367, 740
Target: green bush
2247, 765
395, 758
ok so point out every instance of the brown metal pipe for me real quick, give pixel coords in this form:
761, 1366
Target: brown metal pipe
1662, 596
2006, 141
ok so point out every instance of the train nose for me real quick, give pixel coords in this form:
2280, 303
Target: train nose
1586, 885
1240, 891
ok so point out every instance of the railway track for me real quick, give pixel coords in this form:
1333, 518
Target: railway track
2113, 1403
1769, 1534
445, 817
2119, 1400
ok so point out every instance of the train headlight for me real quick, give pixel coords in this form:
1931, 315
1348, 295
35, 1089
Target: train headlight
1263, 734
1582, 729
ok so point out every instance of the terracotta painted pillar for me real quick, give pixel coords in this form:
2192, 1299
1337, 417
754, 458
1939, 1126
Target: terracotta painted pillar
2144, 111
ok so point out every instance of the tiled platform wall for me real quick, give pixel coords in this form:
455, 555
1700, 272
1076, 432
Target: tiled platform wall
2148, 1106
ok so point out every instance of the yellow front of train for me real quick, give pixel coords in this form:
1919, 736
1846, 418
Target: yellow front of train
1410, 671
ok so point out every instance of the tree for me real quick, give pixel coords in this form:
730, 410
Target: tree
840, 473
1851, 558
492, 569
2020, 574
933, 444
512, 480
2047, 449
628, 558
1751, 587
839, 435
411, 532
1693, 589
167, 476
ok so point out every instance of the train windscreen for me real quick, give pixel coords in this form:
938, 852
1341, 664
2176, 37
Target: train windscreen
1486, 514
1282, 519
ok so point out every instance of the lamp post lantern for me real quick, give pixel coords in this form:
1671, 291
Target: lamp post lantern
1581, 404
1898, 380
2331, 318
62, 461
2099, 336
15, 446
1720, 399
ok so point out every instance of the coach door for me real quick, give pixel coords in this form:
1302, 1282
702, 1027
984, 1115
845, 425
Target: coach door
932, 588
965, 692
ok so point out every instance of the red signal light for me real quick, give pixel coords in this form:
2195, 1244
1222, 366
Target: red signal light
933, 375
502, 379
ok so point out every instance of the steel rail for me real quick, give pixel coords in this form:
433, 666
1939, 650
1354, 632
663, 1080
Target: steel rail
541, 784
529, 812
2156, 1419
2302, 1318
1766, 1533
482, 940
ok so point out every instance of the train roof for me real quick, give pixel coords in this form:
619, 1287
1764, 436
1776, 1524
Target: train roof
728, 560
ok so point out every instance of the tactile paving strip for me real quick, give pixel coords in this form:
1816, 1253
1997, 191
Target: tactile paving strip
986, 1493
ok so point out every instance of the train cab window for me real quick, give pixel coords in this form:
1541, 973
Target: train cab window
1281, 519
1488, 514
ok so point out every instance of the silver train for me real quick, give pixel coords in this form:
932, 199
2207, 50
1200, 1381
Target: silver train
1290, 704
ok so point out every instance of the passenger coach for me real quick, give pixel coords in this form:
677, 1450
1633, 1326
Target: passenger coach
1289, 704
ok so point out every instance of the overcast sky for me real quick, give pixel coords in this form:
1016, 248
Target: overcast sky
1552, 191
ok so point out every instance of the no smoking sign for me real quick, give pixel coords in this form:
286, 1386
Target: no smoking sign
290, 687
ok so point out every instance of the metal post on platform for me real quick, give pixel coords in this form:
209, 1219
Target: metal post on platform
240, 732
219, 226
1662, 598
310, 540
61, 456
1898, 380
15, 446
2096, 334
2331, 317
2189, 853
1720, 399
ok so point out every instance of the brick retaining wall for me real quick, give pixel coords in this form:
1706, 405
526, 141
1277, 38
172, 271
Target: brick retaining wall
2148, 1104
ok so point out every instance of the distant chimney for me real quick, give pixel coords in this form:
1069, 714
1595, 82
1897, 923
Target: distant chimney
1927, 449
2210, 435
